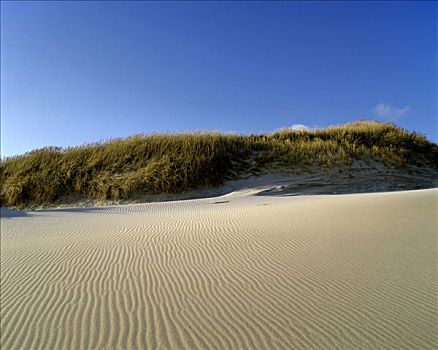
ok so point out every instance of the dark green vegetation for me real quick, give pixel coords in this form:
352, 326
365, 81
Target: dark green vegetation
172, 163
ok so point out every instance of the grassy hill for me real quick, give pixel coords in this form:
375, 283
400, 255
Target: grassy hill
172, 163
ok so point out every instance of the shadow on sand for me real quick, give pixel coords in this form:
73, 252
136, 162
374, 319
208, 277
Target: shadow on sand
15, 213
12, 213
321, 187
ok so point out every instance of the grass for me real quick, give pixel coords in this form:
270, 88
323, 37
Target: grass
171, 163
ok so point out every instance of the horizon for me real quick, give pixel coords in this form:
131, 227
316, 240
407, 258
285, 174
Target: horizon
79, 73
294, 127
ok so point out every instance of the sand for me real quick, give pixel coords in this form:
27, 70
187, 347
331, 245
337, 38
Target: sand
356, 271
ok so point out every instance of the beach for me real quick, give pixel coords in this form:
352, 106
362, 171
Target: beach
239, 271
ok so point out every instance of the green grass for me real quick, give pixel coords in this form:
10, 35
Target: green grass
171, 163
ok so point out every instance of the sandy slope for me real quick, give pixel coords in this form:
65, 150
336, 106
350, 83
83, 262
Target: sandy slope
316, 272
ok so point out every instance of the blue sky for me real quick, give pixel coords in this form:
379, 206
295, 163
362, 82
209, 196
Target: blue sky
78, 72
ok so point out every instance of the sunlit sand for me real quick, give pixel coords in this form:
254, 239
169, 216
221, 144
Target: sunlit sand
355, 271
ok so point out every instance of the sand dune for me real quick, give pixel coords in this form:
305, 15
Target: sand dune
240, 271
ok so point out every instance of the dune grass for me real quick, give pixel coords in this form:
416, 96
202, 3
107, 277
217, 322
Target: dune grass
171, 163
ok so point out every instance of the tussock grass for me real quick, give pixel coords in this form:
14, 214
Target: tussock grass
169, 163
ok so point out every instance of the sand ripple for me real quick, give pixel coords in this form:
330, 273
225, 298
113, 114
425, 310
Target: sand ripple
245, 272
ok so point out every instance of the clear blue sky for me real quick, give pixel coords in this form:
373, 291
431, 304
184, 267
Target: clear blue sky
76, 72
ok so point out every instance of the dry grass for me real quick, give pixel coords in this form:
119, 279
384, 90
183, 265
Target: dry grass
169, 163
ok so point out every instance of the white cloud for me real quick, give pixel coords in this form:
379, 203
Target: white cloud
386, 110
299, 127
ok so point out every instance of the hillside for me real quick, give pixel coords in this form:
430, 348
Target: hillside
123, 169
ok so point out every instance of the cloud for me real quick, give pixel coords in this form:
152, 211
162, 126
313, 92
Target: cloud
299, 127
391, 112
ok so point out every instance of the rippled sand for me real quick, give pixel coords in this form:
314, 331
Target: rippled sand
241, 271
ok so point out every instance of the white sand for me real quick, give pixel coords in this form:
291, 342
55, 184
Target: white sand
317, 272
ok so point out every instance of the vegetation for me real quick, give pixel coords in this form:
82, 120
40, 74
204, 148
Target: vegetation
170, 163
